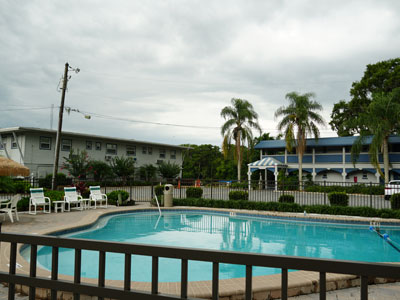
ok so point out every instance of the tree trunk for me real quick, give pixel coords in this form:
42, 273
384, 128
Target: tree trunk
300, 155
239, 158
386, 158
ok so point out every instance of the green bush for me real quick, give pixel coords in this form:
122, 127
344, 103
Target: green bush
194, 192
159, 190
286, 199
338, 198
22, 187
113, 196
238, 195
61, 179
239, 185
23, 204
291, 207
350, 189
54, 195
6, 185
395, 201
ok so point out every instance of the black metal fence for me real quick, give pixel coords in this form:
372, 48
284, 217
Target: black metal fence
306, 193
365, 271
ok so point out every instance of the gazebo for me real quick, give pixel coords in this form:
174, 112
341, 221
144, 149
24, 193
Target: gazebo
9, 167
267, 163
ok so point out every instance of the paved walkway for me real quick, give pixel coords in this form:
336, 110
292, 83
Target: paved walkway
388, 291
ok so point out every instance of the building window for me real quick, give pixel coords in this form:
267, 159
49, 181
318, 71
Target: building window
2, 146
111, 149
45, 143
173, 154
13, 143
149, 150
98, 146
162, 153
324, 176
89, 145
66, 145
365, 175
144, 150
130, 150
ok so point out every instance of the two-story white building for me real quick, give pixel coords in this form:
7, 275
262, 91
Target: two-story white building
35, 148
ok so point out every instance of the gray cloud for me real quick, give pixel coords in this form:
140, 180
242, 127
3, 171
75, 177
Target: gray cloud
181, 62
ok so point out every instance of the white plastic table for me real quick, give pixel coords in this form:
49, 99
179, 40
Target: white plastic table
59, 205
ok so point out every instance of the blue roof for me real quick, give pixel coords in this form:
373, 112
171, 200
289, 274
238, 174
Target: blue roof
322, 142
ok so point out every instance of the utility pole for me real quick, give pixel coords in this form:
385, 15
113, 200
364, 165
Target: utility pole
60, 118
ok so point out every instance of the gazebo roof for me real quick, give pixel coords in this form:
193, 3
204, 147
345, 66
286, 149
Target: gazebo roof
265, 163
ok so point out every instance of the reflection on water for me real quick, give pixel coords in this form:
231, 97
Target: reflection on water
220, 232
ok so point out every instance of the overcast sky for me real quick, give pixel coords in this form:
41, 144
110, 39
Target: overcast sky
181, 62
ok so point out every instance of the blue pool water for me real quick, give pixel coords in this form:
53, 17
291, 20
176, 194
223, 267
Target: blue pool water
220, 232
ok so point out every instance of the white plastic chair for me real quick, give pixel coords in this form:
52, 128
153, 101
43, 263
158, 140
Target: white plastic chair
97, 196
71, 197
10, 207
38, 199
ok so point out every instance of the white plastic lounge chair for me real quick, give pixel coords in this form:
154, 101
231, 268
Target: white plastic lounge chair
97, 196
72, 198
10, 207
38, 199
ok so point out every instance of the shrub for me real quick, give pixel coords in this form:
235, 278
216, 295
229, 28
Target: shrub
286, 199
61, 179
54, 195
395, 201
194, 192
22, 187
23, 204
239, 185
113, 196
159, 190
6, 185
238, 195
338, 198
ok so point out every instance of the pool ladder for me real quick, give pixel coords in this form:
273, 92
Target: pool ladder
159, 210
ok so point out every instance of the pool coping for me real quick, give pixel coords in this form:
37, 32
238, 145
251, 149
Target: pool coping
300, 282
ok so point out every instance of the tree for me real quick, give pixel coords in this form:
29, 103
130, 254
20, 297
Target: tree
240, 119
100, 170
169, 170
381, 77
123, 167
301, 116
383, 119
201, 161
77, 164
148, 172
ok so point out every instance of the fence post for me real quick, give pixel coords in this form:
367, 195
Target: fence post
105, 187
211, 189
370, 194
130, 190
325, 192
152, 190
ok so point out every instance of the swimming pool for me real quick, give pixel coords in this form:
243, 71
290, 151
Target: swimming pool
220, 231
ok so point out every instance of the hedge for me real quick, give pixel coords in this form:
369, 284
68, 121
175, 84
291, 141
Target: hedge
286, 199
113, 196
238, 195
291, 207
194, 192
350, 189
338, 198
395, 201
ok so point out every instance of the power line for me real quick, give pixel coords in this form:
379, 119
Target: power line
31, 108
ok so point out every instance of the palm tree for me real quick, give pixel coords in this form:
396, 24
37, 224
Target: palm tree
382, 118
299, 115
240, 119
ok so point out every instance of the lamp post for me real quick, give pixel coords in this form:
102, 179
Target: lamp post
60, 119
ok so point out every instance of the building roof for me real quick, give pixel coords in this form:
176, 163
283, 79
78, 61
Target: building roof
322, 142
83, 135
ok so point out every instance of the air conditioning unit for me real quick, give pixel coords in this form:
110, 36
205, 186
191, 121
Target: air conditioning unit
108, 157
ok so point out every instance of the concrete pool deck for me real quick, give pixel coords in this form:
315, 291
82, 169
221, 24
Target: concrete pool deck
264, 287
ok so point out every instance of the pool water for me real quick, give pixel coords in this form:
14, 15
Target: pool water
220, 232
